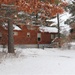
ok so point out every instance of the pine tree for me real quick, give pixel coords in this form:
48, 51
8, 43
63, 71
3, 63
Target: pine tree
71, 8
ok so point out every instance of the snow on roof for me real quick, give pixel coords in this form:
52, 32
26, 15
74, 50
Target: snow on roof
5, 25
72, 43
21, 12
62, 18
16, 27
69, 1
48, 29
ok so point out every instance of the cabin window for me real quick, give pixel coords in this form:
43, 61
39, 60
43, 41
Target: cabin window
56, 35
39, 36
15, 33
52, 36
28, 34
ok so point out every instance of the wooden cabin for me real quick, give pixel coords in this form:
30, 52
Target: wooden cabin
27, 36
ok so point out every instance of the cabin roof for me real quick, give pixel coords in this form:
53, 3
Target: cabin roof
5, 26
48, 29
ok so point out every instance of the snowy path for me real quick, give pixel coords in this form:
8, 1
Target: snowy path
40, 62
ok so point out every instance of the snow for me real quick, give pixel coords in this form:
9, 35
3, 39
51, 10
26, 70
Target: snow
72, 43
49, 29
16, 27
62, 18
63, 27
34, 61
5, 25
69, 1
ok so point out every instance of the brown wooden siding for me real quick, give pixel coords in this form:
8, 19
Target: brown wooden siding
22, 38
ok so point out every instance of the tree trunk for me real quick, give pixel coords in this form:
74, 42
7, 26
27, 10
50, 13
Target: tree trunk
10, 37
59, 45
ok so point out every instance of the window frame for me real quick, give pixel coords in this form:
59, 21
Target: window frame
28, 34
38, 37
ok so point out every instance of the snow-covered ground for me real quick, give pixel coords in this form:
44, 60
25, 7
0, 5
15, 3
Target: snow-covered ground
33, 61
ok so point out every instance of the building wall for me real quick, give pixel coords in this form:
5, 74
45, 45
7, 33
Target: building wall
3, 36
22, 38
